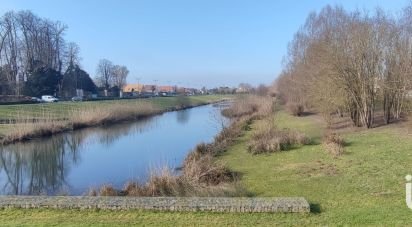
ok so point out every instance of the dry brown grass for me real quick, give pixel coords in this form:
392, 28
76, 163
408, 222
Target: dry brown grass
202, 169
248, 106
166, 183
47, 124
108, 114
27, 130
107, 190
268, 139
334, 144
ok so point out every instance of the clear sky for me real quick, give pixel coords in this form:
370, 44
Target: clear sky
186, 42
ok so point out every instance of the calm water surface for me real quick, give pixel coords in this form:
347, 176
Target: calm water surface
72, 163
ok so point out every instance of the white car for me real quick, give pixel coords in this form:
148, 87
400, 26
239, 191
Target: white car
35, 99
49, 98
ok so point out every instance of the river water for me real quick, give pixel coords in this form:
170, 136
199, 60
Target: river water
74, 162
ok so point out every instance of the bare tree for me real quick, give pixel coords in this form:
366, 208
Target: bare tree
105, 74
120, 75
28, 42
73, 54
350, 61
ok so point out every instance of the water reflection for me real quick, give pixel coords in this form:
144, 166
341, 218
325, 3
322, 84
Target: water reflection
41, 166
70, 163
37, 168
183, 116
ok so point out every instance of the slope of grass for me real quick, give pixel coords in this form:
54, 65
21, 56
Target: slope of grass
365, 186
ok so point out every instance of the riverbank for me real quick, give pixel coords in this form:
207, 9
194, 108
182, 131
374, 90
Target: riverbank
25, 122
200, 174
364, 186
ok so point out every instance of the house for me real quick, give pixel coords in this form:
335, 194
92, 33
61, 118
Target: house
149, 88
131, 88
167, 89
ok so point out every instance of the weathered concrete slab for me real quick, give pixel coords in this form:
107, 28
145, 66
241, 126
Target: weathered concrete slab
213, 204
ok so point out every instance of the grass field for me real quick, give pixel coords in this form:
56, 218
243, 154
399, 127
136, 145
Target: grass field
365, 186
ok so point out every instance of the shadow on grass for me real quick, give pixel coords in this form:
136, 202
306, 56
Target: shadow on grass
348, 143
307, 114
315, 208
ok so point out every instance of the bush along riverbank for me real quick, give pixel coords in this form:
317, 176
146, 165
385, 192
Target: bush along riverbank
25, 126
201, 174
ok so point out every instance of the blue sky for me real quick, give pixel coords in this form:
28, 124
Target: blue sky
186, 42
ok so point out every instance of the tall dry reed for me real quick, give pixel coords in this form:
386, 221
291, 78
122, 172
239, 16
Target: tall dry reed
46, 123
97, 115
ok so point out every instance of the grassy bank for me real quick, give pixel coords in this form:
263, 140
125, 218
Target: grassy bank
22, 122
364, 186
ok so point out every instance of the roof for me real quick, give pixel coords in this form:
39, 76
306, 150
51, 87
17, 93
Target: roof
132, 87
166, 88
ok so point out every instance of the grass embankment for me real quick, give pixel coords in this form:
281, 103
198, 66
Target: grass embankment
364, 186
22, 122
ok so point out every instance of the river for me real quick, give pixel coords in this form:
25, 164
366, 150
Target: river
72, 163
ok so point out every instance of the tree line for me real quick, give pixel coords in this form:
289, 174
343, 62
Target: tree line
35, 59
358, 63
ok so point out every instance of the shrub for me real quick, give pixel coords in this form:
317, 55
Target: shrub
203, 170
300, 138
295, 109
133, 189
166, 184
248, 106
334, 144
269, 139
107, 190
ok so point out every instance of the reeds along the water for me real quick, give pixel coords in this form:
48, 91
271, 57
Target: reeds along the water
25, 126
110, 113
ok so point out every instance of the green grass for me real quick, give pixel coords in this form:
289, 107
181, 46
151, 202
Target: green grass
365, 186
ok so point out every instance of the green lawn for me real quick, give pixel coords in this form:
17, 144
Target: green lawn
363, 187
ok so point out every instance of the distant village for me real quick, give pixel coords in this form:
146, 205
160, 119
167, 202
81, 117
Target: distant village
148, 90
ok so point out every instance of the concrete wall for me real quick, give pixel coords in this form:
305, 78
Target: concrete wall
213, 204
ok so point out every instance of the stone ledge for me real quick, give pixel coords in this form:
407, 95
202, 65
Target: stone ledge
213, 204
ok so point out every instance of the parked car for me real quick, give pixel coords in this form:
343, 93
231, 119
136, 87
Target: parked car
35, 99
77, 99
49, 98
